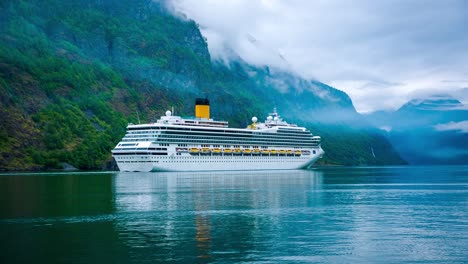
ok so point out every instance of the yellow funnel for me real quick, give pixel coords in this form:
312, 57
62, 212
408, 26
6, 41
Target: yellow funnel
202, 108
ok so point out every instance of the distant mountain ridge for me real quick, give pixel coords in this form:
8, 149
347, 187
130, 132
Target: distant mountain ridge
431, 130
435, 102
74, 73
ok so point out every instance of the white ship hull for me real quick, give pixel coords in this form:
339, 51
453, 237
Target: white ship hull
202, 144
147, 163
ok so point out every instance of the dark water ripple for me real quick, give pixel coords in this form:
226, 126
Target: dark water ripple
328, 215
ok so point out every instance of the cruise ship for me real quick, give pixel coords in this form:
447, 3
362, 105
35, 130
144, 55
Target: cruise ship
174, 143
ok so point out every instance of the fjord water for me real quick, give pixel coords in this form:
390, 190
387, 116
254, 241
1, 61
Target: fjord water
350, 215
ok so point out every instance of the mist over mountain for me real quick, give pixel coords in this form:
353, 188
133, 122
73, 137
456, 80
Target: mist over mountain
74, 73
431, 130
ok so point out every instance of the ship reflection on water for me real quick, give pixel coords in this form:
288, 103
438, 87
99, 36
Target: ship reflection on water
208, 215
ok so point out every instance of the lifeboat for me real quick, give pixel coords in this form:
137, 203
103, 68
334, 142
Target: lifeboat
227, 151
289, 152
205, 151
282, 152
216, 151
265, 152
237, 151
194, 151
273, 152
256, 151
297, 153
305, 152
247, 151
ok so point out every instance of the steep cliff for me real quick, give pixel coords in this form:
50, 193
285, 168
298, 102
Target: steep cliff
74, 73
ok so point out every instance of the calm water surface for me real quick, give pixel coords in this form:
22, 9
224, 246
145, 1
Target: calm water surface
325, 215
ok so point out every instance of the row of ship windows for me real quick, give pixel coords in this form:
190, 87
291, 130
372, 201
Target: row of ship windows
278, 143
305, 137
224, 132
213, 157
128, 144
269, 143
241, 139
139, 148
270, 137
175, 161
284, 135
240, 133
292, 131
189, 130
142, 132
194, 130
141, 153
139, 136
237, 140
187, 145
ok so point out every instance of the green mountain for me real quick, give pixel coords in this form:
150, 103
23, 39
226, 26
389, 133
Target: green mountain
74, 73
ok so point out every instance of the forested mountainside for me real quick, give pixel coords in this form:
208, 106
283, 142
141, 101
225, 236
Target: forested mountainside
74, 73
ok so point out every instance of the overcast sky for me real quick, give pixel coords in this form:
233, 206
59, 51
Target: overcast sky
381, 53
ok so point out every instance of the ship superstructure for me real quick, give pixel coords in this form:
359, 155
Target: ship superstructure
174, 143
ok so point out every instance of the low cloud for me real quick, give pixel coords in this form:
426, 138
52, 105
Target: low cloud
376, 51
461, 127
